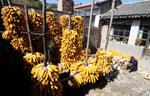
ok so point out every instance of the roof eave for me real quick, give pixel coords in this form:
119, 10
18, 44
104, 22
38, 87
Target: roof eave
134, 16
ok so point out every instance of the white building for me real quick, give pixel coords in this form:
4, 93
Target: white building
130, 32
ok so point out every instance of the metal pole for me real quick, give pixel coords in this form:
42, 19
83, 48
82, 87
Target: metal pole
110, 24
28, 29
69, 23
89, 31
44, 32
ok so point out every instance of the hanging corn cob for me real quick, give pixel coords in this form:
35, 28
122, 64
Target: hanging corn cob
54, 30
46, 73
100, 65
20, 44
64, 21
84, 74
36, 25
68, 48
47, 80
89, 70
85, 67
33, 59
104, 62
9, 34
14, 22
35, 22
76, 25
67, 41
80, 55
54, 33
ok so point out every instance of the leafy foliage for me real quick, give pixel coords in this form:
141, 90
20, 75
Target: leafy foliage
36, 3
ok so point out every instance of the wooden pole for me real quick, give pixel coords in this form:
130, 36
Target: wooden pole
84, 26
2, 3
28, 29
110, 24
69, 23
9, 4
40, 34
44, 32
89, 31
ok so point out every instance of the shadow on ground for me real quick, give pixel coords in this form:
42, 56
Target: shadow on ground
83, 90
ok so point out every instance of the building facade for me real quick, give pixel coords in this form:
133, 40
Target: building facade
130, 31
99, 8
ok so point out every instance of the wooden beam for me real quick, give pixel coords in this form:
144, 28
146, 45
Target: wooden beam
40, 34
28, 29
89, 31
110, 24
44, 32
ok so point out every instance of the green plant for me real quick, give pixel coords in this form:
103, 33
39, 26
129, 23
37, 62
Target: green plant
138, 42
50, 47
117, 38
35, 3
125, 40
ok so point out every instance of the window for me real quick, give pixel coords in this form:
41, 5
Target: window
120, 30
144, 32
87, 21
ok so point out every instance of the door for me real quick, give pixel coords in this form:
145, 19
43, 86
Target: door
147, 47
99, 36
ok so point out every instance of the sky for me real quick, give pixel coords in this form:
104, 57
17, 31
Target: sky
89, 1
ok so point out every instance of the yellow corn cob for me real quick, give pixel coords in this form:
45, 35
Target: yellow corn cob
47, 80
104, 61
14, 22
20, 44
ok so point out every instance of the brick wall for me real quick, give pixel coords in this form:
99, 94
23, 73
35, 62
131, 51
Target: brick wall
66, 5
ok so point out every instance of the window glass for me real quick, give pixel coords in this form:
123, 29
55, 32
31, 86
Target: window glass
120, 30
143, 32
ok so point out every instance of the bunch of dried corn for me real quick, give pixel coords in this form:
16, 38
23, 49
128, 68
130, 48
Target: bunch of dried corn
84, 74
54, 30
20, 44
54, 33
76, 25
14, 22
104, 62
68, 48
32, 60
47, 80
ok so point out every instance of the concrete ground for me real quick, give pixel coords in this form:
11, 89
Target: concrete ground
130, 84
145, 63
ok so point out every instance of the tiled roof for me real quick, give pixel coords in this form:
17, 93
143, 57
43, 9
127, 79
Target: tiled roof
89, 4
131, 10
